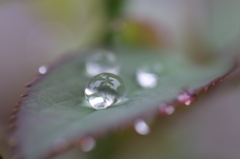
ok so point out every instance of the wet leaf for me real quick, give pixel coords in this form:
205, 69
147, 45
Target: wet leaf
56, 109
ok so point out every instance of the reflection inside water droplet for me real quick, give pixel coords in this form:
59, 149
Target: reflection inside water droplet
42, 70
105, 90
102, 61
147, 75
141, 127
87, 144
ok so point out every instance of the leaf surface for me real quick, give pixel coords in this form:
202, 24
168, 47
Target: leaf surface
56, 109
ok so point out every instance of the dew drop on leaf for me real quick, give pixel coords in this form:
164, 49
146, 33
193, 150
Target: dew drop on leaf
87, 144
147, 75
102, 61
185, 98
42, 70
167, 109
141, 127
104, 90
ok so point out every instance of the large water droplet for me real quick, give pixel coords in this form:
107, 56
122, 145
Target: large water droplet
141, 127
105, 90
102, 61
147, 75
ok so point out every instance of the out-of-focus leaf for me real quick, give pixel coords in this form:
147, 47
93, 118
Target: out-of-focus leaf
56, 108
167, 18
140, 34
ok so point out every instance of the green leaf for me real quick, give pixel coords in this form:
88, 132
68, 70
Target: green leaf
56, 109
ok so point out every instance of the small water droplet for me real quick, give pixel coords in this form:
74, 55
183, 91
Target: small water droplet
104, 90
147, 76
185, 98
141, 127
87, 143
102, 61
167, 109
42, 70
188, 102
